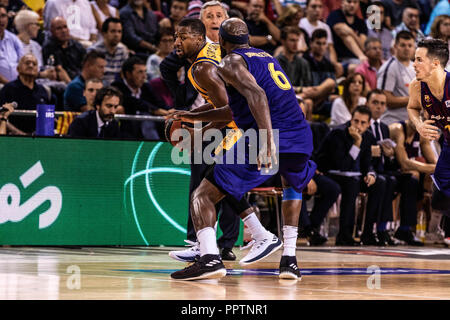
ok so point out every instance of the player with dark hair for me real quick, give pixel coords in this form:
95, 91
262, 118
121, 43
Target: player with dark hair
260, 97
204, 58
430, 91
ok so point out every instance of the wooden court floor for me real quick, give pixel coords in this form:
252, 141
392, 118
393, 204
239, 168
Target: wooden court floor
142, 273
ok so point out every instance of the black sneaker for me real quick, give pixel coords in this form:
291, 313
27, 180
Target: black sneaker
315, 238
227, 254
289, 268
209, 266
370, 239
385, 239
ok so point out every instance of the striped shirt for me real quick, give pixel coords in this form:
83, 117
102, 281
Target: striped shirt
393, 76
113, 61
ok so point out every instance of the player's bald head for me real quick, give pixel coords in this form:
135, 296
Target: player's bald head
235, 27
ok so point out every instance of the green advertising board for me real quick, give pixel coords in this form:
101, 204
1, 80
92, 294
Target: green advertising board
91, 192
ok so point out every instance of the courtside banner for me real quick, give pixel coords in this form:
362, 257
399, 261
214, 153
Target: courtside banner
91, 192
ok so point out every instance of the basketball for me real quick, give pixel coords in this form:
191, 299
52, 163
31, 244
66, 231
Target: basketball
170, 126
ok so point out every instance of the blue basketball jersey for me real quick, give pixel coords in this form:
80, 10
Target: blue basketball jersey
439, 110
295, 135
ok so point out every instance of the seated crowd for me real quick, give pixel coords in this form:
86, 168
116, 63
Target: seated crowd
350, 63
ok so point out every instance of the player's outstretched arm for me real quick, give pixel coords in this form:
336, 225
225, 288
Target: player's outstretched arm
425, 128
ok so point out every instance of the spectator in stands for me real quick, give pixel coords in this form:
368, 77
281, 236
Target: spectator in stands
67, 53
352, 96
441, 8
26, 93
323, 79
27, 26
82, 26
415, 158
379, 29
295, 67
100, 122
264, 34
178, 9
165, 43
102, 11
138, 98
345, 156
312, 22
394, 10
115, 52
4, 117
369, 68
91, 88
382, 162
290, 16
441, 30
394, 77
13, 7
349, 34
410, 22
93, 66
140, 27
11, 48
212, 14
324, 190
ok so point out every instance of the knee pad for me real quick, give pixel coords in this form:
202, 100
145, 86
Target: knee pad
291, 194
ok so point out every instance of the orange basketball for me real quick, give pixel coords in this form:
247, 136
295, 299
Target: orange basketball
170, 126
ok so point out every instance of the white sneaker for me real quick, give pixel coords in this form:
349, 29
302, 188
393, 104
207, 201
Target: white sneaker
447, 241
261, 249
435, 237
188, 255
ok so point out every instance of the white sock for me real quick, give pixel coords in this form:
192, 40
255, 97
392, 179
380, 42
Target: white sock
290, 240
254, 226
207, 239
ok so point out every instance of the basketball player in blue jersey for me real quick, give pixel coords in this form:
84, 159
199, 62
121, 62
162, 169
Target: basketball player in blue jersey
260, 97
204, 58
430, 91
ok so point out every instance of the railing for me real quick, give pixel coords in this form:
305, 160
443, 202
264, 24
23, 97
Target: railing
132, 117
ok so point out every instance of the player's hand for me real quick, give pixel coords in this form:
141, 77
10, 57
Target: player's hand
369, 179
427, 130
267, 155
185, 116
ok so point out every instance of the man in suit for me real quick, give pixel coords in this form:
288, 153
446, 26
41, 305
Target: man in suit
99, 123
138, 98
382, 161
345, 156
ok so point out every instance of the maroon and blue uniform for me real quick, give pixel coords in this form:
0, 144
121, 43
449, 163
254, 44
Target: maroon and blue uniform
294, 134
439, 111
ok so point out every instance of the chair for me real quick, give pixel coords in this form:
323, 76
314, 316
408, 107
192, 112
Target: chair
360, 213
275, 193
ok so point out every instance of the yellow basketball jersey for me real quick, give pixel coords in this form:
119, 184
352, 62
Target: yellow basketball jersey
211, 54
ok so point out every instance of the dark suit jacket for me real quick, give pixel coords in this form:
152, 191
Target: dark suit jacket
184, 94
334, 152
148, 102
85, 126
381, 166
